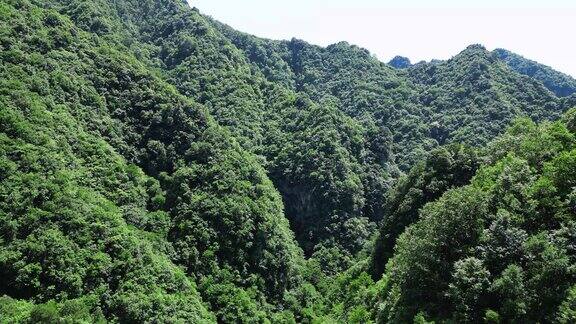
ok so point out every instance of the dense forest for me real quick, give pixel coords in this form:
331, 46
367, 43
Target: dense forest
159, 166
561, 84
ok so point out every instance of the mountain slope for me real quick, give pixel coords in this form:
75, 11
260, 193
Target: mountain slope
181, 185
72, 207
561, 84
268, 119
499, 248
157, 166
468, 98
256, 87
473, 96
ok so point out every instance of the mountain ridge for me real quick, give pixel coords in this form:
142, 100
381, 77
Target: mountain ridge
159, 166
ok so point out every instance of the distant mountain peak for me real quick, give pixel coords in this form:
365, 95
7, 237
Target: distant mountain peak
472, 54
475, 47
400, 62
502, 52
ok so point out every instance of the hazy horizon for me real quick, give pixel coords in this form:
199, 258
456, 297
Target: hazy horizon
414, 29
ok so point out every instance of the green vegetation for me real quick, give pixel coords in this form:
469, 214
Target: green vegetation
400, 62
445, 168
331, 185
501, 247
561, 84
159, 166
111, 179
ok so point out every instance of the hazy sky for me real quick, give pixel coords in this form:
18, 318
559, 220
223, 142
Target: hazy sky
421, 30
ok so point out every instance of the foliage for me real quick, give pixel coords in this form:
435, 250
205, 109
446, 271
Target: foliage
561, 84
500, 248
108, 174
159, 166
400, 62
445, 168
347, 166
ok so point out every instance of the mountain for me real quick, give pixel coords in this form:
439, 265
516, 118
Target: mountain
119, 193
331, 186
561, 84
400, 62
496, 247
446, 167
157, 165
473, 96
468, 98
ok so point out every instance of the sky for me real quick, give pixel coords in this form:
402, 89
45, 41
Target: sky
541, 30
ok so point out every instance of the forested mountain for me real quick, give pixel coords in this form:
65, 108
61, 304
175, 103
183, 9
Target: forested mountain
473, 96
446, 167
561, 84
500, 248
118, 193
400, 62
159, 166
331, 185
467, 99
